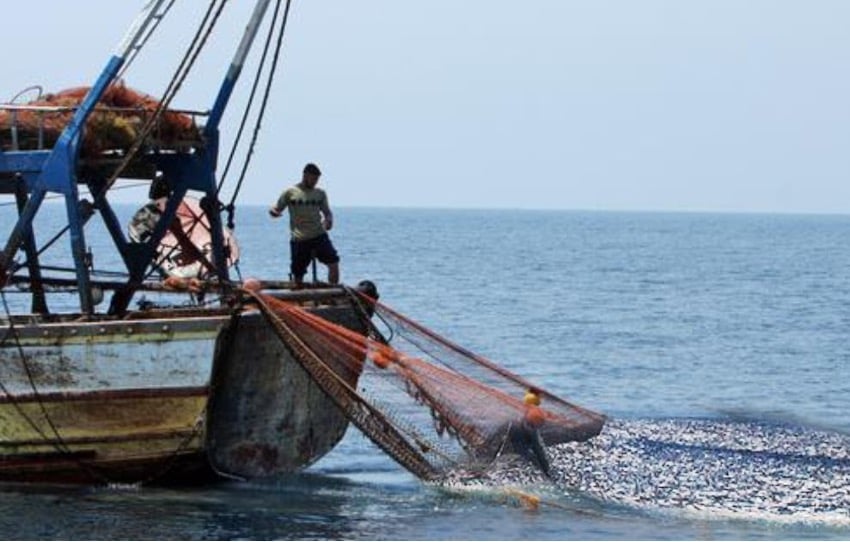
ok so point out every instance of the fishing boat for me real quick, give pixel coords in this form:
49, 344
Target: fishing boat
189, 386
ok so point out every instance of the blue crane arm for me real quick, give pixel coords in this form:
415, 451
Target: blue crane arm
58, 171
198, 172
235, 68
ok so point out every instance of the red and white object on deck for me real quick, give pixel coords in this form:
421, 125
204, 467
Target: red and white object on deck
186, 249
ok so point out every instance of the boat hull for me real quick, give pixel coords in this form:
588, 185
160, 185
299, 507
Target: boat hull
267, 417
160, 398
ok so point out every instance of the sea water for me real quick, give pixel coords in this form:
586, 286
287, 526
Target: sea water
716, 344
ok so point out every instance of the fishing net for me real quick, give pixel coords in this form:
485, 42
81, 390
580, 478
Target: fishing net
115, 124
429, 403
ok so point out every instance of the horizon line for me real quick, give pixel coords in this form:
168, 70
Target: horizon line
402, 207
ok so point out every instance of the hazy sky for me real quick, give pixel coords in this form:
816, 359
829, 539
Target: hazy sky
727, 105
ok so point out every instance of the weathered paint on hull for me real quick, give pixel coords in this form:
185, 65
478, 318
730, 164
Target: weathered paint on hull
97, 437
292, 422
127, 401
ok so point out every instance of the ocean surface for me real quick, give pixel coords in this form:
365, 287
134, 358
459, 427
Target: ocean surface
716, 344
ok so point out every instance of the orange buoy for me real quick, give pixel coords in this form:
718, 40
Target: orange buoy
381, 359
535, 416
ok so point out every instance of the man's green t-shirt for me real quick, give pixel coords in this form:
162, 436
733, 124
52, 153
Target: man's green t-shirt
305, 219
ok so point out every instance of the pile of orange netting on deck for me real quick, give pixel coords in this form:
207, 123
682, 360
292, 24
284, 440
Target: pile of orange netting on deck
429, 403
116, 123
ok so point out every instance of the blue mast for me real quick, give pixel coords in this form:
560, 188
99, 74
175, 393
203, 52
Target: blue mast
58, 171
194, 172
211, 133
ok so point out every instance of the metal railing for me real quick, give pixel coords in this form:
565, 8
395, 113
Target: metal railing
17, 134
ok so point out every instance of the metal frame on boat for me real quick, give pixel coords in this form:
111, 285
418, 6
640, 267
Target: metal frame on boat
160, 393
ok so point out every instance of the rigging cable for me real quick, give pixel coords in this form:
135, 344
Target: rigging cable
157, 19
263, 105
156, 264
59, 443
278, 46
251, 97
199, 41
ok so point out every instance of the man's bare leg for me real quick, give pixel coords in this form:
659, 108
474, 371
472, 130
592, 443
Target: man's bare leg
333, 273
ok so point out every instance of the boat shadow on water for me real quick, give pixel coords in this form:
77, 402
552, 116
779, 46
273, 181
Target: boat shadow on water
296, 506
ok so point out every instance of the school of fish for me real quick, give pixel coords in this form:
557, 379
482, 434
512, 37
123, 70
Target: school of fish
711, 468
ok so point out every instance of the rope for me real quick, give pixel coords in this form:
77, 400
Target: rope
168, 462
443, 342
190, 57
156, 265
266, 94
11, 331
357, 303
63, 231
209, 21
59, 443
249, 105
157, 19
360, 412
198, 43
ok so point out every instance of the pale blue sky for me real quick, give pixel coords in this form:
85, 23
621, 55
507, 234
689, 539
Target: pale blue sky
710, 105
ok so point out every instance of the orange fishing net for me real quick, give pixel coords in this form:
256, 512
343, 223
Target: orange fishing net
115, 124
445, 406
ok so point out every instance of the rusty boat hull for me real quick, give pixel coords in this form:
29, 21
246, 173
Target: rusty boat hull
171, 396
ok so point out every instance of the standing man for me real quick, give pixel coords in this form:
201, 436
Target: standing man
310, 219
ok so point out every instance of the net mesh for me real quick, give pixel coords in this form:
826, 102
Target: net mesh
115, 124
431, 404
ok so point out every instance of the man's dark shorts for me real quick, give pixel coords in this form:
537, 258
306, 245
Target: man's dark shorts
303, 251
